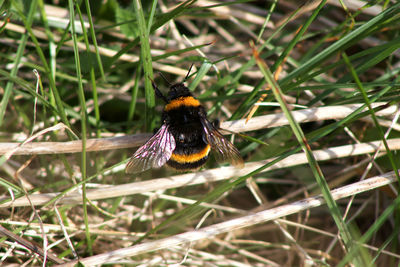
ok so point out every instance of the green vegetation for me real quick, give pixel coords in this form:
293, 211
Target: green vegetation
318, 84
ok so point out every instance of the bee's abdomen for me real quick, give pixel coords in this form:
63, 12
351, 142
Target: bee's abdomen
188, 156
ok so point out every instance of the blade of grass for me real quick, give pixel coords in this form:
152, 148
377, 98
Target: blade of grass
379, 130
151, 16
375, 227
52, 84
267, 19
373, 56
24, 84
14, 70
178, 52
50, 37
370, 57
92, 76
341, 44
200, 74
82, 102
94, 40
59, 107
344, 231
132, 104
160, 21
373, 115
246, 104
298, 35
145, 55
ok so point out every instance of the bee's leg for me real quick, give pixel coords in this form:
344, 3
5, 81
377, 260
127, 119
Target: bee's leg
158, 92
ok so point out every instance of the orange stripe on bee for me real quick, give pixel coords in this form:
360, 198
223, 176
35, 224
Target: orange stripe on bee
188, 101
192, 157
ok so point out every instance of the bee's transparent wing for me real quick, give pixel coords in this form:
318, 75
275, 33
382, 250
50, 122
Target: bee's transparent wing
224, 150
154, 154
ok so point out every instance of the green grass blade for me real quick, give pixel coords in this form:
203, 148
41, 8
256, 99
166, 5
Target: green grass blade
145, 55
14, 70
132, 105
52, 84
299, 34
82, 101
342, 43
368, 104
333, 207
94, 40
200, 75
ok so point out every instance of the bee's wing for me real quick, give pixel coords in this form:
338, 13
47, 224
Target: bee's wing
224, 150
154, 154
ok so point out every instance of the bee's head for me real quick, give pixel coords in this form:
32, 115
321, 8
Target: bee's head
178, 90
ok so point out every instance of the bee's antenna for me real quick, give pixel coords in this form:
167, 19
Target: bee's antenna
187, 75
158, 92
165, 78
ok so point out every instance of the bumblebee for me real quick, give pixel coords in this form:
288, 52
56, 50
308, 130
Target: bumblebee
185, 138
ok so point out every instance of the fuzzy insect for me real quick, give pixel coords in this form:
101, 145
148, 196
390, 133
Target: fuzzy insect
185, 138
